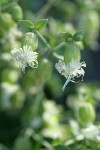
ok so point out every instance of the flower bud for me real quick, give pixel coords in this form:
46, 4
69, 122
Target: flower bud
72, 51
17, 13
6, 22
86, 113
30, 39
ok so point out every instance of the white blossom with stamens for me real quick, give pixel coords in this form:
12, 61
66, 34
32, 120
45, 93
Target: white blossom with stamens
25, 57
71, 70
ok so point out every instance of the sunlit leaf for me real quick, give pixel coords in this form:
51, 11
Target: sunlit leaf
40, 24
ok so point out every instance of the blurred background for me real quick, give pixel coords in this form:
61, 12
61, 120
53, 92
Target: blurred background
35, 114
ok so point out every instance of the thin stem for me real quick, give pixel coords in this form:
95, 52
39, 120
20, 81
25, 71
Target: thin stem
58, 56
50, 51
53, 52
0, 9
59, 46
41, 13
72, 141
42, 39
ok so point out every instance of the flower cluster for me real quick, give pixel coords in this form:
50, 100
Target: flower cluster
25, 57
71, 70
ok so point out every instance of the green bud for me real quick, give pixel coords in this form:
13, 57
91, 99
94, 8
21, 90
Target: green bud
78, 36
40, 75
11, 76
86, 113
72, 51
67, 37
6, 22
17, 13
30, 39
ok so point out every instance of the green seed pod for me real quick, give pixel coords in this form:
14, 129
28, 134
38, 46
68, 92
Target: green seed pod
6, 22
86, 113
17, 13
90, 22
39, 76
78, 36
72, 51
44, 74
30, 39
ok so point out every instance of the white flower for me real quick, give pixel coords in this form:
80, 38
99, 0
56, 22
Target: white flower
71, 70
25, 57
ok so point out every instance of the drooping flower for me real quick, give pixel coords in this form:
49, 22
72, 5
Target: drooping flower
25, 57
71, 70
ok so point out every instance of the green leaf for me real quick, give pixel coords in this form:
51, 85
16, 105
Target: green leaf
26, 23
78, 36
67, 37
40, 24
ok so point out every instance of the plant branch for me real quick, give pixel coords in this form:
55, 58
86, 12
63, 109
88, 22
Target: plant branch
42, 39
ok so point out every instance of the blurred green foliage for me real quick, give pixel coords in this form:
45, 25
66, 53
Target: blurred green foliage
34, 112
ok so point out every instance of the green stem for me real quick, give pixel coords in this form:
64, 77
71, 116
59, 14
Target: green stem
41, 13
42, 39
50, 50
72, 141
53, 52
59, 46
58, 56
38, 102
0, 9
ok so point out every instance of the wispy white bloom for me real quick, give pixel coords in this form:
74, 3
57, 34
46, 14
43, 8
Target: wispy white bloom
25, 57
71, 70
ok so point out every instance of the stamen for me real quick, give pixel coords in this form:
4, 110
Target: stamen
67, 81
